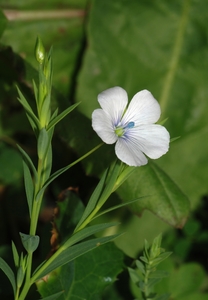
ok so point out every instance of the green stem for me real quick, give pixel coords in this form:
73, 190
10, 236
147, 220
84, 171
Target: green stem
17, 294
146, 291
88, 219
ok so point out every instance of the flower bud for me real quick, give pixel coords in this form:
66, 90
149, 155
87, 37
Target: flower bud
39, 51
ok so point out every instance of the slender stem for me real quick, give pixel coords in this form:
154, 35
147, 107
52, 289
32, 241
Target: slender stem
146, 291
88, 219
17, 294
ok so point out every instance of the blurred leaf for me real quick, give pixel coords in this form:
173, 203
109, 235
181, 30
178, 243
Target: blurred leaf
11, 165
87, 276
57, 24
186, 280
3, 23
52, 297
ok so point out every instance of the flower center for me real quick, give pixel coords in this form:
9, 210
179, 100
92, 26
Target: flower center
120, 130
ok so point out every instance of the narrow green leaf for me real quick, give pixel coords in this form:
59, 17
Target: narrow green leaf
144, 259
15, 255
116, 207
35, 92
9, 273
53, 297
112, 177
134, 275
28, 161
140, 266
43, 141
159, 274
31, 116
70, 254
86, 232
81, 235
46, 110
62, 170
93, 199
29, 186
160, 258
62, 115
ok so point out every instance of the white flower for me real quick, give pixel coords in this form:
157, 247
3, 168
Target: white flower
132, 127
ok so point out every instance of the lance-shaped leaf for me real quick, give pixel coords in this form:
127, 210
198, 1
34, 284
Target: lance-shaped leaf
8, 272
29, 186
30, 114
28, 161
62, 115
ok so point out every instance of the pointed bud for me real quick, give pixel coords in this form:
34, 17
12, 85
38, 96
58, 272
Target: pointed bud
39, 51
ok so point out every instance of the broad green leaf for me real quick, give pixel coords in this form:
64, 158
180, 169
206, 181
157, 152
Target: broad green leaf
29, 186
194, 275
53, 297
87, 276
165, 199
180, 289
70, 254
9, 273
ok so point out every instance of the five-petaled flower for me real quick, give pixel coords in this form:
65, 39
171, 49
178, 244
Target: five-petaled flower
132, 127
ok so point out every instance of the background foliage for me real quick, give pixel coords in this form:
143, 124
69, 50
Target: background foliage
157, 45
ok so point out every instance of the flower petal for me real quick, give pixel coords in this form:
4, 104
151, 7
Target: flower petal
143, 109
151, 139
114, 101
128, 153
102, 124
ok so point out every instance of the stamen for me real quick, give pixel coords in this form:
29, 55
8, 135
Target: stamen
130, 125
